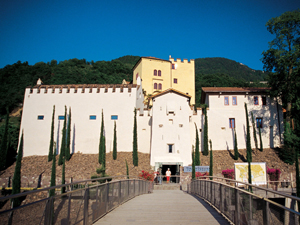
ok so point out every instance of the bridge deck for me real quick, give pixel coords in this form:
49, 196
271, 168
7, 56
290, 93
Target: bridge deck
164, 207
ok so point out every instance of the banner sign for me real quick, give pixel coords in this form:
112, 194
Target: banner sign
201, 169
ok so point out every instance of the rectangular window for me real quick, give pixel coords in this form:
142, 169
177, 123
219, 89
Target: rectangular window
264, 100
234, 101
259, 123
173, 66
175, 80
114, 117
93, 117
40, 117
232, 123
226, 100
61, 117
170, 121
255, 100
170, 148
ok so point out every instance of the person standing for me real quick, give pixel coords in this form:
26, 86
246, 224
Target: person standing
168, 175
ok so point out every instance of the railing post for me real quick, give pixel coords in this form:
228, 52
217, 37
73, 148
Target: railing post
120, 192
237, 207
85, 206
221, 198
134, 187
107, 196
266, 213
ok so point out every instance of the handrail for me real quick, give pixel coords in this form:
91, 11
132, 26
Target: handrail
83, 205
252, 185
60, 186
241, 206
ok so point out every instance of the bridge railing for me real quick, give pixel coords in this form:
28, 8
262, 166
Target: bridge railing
83, 203
241, 206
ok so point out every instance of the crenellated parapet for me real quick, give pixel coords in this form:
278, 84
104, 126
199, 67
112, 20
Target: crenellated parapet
81, 88
178, 60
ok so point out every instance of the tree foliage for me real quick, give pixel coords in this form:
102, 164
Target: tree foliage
254, 131
16, 185
102, 146
281, 60
249, 149
53, 174
135, 144
211, 162
193, 165
4, 144
115, 143
51, 147
197, 152
205, 130
236, 150
68, 145
63, 141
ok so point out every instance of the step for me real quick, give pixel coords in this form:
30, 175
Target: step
167, 187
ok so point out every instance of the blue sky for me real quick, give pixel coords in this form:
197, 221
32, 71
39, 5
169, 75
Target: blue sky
40, 30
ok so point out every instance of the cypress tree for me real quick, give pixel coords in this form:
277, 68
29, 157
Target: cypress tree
193, 166
197, 153
135, 146
297, 175
67, 153
115, 143
104, 152
100, 159
260, 140
254, 131
236, 150
127, 170
53, 175
205, 130
63, 141
3, 150
16, 185
51, 149
63, 179
249, 150
211, 163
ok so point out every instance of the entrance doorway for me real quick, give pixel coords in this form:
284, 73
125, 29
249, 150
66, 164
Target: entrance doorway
174, 171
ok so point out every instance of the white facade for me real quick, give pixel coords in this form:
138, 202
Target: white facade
221, 111
171, 134
86, 103
166, 131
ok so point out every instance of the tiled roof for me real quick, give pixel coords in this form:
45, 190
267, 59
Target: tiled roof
171, 90
148, 57
235, 89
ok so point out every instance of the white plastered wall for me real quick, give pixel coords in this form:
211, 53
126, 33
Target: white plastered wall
84, 132
164, 132
218, 121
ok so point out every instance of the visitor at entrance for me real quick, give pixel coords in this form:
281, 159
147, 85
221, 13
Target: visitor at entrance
168, 174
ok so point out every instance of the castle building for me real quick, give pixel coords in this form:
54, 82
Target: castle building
159, 75
166, 130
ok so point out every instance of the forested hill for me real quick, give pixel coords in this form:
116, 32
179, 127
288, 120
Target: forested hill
15, 78
232, 68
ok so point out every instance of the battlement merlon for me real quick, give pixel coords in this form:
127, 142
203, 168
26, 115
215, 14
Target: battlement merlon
82, 88
178, 60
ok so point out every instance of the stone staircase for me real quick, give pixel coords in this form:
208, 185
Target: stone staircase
171, 186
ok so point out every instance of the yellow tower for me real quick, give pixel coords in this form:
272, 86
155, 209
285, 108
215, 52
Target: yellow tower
159, 75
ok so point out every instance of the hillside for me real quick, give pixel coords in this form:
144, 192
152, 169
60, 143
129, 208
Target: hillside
218, 65
82, 166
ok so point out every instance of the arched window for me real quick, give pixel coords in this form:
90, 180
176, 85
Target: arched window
159, 73
159, 86
137, 75
155, 85
155, 73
